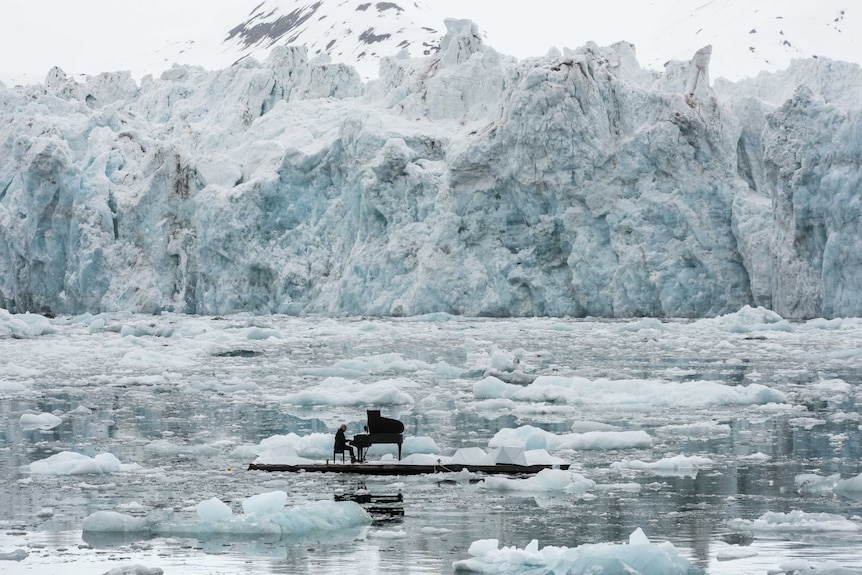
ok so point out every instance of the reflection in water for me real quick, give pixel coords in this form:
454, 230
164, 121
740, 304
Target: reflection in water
383, 508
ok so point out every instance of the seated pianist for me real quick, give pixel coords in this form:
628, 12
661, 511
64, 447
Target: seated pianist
341, 444
379, 430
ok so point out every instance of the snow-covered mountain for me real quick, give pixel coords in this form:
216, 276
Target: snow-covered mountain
352, 31
465, 181
747, 36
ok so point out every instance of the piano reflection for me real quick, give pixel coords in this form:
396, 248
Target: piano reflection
379, 430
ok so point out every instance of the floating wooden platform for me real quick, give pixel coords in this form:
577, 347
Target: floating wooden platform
398, 469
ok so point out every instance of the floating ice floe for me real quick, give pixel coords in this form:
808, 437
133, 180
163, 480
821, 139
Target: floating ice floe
697, 430
646, 324
343, 392
288, 449
842, 416
439, 531
530, 437
114, 522
141, 329
747, 320
154, 362
831, 390
263, 515
505, 454
135, 569
546, 481
17, 555
813, 484
735, 552
638, 557
164, 447
81, 410
515, 377
12, 387
672, 465
804, 567
44, 421
584, 426
796, 521
806, 422
636, 393
214, 509
234, 385
24, 325
852, 485
417, 444
390, 363
758, 457
388, 534
71, 463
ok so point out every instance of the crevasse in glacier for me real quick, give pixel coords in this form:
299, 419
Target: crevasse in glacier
468, 182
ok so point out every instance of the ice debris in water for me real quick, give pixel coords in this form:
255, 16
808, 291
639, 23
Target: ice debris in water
44, 421
673, 465
17, 555
547, 480
263, 514
263, 503
135, 570
638, 557
796, 521
71, 463
213, 509
579, 390
24, 325
530, 437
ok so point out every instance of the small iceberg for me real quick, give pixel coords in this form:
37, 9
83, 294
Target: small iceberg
637, 557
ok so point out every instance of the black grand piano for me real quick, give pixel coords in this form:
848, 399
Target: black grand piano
379, 430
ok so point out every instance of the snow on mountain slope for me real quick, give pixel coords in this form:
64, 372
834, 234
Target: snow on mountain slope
753, 36
355, 31
146, 38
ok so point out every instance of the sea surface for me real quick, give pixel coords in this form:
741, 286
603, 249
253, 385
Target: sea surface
185, 398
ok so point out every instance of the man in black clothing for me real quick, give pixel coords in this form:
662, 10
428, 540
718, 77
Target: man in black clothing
341, 444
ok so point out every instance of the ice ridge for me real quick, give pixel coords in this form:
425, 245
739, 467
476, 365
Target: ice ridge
465, 182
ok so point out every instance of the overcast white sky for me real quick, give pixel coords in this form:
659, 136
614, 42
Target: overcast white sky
95, 35
530, 27
92, 36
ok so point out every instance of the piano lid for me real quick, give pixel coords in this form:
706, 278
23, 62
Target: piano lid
379, 424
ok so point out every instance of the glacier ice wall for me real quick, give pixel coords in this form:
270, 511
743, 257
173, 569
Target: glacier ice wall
468, 182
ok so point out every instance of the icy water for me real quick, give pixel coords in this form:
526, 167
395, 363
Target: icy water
185, 397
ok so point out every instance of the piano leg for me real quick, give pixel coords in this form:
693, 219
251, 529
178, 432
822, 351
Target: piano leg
399, 452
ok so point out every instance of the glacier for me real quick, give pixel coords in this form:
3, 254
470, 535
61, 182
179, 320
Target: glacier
467, 182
